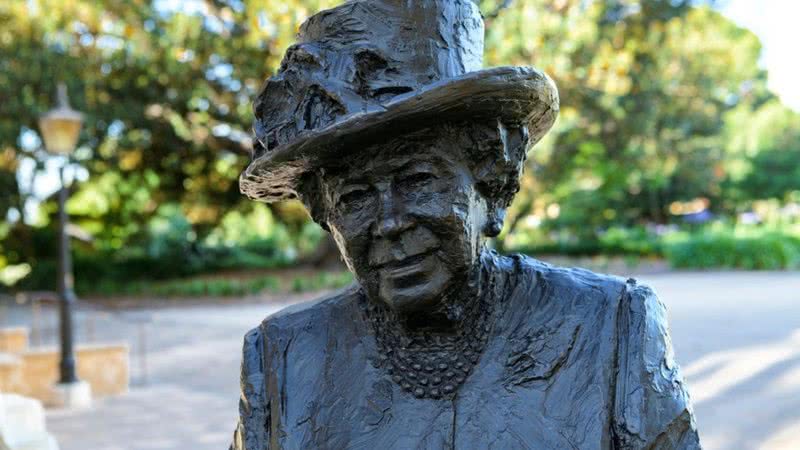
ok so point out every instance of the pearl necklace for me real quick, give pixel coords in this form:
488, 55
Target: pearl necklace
430, 364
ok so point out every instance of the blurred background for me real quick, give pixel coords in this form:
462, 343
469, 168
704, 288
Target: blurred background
675, 158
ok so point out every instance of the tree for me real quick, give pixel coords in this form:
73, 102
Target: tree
644, 86
763, 140
167, 96
649, 92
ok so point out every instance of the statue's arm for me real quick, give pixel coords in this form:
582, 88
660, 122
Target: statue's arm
253, 429
652, 408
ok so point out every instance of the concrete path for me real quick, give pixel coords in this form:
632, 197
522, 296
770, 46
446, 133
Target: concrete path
185, 385
736, 335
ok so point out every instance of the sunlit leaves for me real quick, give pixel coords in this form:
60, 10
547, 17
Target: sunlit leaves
652, 93
644, 87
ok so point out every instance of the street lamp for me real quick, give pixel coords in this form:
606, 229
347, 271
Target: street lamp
60, 128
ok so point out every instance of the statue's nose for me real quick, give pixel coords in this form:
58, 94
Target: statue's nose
390, 221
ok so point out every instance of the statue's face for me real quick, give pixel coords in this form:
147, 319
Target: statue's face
408, 226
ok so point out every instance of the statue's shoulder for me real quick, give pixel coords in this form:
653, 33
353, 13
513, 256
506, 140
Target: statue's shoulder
320, 310
652, 406
263, 355
586, 287
564, 282
305, 321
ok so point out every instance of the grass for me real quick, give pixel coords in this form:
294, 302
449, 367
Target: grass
223, 287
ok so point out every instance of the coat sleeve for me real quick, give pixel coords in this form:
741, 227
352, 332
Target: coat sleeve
652, 408
253, 428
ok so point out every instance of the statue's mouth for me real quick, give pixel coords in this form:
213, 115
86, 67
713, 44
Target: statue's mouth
406, 265
410, 270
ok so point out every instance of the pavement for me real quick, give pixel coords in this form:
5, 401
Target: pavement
735, 334
737, 338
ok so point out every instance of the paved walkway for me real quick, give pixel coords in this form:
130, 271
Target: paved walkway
736, 335
185, 377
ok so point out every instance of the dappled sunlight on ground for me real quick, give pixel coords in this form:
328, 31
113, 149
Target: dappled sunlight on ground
754, 390
718, 372
737, 338
166, 417
785, 439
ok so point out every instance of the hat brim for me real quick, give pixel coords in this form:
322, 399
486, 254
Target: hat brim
515, 95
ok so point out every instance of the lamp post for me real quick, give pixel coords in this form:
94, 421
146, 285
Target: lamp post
60, 128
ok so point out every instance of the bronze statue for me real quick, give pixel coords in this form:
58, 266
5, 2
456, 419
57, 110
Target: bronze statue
383, 123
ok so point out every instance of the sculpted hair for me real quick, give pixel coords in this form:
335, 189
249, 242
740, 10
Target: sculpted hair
494, 152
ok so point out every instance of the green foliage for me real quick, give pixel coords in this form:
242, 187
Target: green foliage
644, 91
660, 102
775, 173
221, 287
630, 241
168, 248
764, 148
761, 247
727, 248
167, 96
323, 280
616, 241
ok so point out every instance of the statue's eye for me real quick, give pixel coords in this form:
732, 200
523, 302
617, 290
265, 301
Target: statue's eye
355, 196
418, 179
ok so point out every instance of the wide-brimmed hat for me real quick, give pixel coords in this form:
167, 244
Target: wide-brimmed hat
368, 70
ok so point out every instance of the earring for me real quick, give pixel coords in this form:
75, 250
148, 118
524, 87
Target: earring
493, 227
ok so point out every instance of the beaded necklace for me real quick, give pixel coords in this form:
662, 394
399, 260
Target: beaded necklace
428, 363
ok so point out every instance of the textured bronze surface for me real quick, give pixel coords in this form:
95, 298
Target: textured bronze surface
369, 69
381, 121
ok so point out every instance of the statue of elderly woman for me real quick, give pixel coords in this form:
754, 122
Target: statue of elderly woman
382, 122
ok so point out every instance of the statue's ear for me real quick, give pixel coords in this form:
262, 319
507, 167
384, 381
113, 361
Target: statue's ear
494, 221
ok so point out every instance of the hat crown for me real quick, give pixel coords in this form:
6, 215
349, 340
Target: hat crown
358, 56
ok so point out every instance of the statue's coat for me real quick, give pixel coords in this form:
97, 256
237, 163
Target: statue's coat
575, 360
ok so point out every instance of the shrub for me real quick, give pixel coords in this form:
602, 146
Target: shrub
165, 248
637, 241
218, 287
771, 250
617, 241
320, 281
